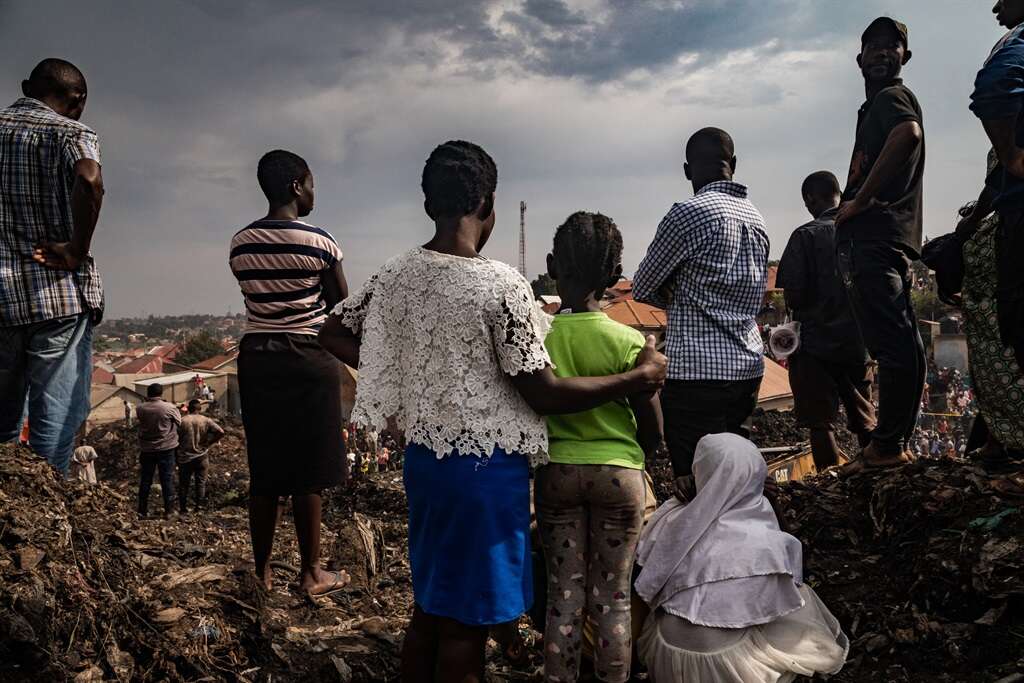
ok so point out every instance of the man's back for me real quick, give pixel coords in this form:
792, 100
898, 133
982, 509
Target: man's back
828, 329
158, 425
711, 252
193, 433
38, 152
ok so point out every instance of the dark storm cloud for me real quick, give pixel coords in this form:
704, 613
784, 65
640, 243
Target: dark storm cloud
548, 38
584, 105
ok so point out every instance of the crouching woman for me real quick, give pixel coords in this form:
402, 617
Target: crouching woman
725, 584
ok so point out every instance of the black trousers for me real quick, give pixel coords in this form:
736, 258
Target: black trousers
695, 408
877, 279
151, 462
187, 471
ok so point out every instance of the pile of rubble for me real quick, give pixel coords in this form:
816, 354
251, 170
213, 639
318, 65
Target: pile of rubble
922, 565
92, 593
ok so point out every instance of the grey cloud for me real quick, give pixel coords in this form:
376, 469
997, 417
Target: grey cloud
654, 34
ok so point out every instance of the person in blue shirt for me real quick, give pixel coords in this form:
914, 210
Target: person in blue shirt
998, 100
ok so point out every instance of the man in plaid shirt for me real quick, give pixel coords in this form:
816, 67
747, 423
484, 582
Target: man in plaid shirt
707, 266
51, 189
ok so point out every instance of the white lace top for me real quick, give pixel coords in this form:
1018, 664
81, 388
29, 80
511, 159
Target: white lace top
440, 336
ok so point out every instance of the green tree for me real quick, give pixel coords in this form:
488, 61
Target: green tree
543, 284
199, 347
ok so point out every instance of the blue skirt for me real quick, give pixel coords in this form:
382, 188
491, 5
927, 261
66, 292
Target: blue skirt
469, 535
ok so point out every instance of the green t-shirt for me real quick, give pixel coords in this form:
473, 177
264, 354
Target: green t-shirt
594, 345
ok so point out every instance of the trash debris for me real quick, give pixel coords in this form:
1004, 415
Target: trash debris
921, 564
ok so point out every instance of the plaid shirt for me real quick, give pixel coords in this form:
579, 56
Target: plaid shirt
708, 266
38, 151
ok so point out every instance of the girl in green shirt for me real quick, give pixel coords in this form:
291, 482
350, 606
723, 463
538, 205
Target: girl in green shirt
590, 499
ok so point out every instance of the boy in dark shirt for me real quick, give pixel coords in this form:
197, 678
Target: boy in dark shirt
878, 231
831, 365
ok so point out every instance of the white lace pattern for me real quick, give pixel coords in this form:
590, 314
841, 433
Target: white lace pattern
440, 336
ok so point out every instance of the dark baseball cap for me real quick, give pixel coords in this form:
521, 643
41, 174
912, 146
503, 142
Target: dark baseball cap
887, 22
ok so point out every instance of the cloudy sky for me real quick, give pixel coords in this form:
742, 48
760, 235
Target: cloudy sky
584, 104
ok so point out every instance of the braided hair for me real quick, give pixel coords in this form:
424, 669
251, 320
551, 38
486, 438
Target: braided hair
588, 248
458, 175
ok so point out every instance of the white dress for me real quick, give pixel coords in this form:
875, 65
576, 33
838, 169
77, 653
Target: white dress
441, 334
802, 643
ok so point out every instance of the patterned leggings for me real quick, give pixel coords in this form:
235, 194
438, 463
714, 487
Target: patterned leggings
590, 517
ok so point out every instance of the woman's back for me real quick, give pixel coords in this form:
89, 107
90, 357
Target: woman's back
440, 335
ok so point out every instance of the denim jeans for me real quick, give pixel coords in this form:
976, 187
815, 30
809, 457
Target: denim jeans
151, 461
877, 279
46, 372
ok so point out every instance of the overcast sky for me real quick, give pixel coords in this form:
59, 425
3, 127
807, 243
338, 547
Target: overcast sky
584, 104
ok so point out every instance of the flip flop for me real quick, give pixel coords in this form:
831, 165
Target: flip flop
340, 582
861, 464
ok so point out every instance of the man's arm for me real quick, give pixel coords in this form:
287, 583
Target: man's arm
667, 252
1002, 133
215, 433
340, 341
551, 395
795, 273
902, 142
86, 201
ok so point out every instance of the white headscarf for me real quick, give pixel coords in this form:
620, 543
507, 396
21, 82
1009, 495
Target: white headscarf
728, 531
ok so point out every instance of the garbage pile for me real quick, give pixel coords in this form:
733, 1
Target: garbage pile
923, 567
92, 593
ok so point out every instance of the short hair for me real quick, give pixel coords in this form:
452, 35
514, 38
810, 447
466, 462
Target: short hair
709, 145
195, 405
54, 76
457, 176
276, 172
820, 184
588, 248
155, 390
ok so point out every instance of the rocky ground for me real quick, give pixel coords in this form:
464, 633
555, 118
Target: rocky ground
922, 566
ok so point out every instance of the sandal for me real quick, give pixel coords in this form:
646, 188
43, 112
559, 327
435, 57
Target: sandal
340, 582
869, 459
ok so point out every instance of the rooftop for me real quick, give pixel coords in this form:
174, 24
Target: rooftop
176, 378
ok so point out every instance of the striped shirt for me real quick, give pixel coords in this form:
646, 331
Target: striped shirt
278, 265
38, 152
708, 266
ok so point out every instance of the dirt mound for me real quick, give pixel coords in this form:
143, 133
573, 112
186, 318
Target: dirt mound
93, 593
922, 565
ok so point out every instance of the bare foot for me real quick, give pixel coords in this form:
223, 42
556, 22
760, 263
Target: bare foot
266, 578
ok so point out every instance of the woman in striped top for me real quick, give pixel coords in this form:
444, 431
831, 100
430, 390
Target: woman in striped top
290, 273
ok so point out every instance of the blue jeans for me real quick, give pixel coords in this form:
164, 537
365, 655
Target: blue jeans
46, 371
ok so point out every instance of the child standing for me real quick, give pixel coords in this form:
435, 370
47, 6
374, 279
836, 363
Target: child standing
590, 499
449, 347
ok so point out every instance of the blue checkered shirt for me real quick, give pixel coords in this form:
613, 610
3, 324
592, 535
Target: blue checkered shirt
707, 267
38, 151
